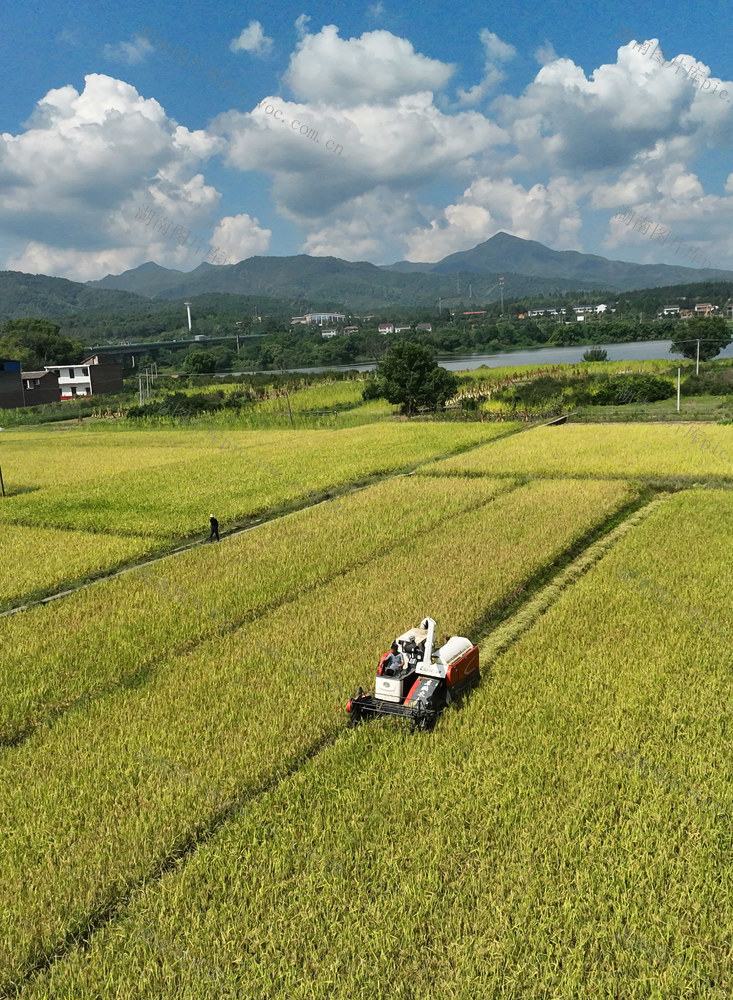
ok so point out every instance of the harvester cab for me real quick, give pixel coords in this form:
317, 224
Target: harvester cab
414, 682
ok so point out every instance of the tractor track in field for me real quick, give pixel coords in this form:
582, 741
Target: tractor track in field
145, 670
537, 597
496, 632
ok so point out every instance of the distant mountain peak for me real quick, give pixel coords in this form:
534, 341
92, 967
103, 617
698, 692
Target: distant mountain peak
528, 268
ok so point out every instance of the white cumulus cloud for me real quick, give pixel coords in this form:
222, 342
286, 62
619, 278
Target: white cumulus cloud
112, 151
376, 67
301, 25
252, 39
240, 236
546, 213
130, 53
497, 52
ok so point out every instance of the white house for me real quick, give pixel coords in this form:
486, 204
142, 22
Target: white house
670, 311
591, 309
386, 327
87, 379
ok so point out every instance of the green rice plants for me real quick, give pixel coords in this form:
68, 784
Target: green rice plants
238, 475
134, 620
40, 561
87, 821
627, 450
512, 854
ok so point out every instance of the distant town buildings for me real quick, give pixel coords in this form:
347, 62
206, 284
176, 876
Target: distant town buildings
344, 332
319, 318
591, 309
542, 312
561, 311
382, 328
701, 309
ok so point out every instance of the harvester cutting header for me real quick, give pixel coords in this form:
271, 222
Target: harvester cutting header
414, 682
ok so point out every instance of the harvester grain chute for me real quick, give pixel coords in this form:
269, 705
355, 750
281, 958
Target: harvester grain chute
414, 682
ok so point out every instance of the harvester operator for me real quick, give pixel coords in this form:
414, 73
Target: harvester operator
395, 662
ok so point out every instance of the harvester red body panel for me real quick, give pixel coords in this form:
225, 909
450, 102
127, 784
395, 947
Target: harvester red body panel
461, 670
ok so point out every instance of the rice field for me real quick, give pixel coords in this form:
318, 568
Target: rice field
38, 561
237, 475
562, 868
317, 397
186, 814
175, 603
652, 453
37, 457
134, 819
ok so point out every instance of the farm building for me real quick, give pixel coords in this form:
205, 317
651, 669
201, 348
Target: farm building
11, 386
87, 379
40, 387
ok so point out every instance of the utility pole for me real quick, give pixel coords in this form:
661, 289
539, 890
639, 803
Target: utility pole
2, 484
697, 366
287, 396
148, 373
501, 292
188, 310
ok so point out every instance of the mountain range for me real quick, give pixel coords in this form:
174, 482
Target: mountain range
529, 269
332, 282
302, 283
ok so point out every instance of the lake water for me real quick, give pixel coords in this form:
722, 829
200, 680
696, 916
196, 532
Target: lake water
643, 350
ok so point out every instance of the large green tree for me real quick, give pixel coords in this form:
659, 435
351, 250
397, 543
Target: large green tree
713, 332
199, 362
409, 375
37, 342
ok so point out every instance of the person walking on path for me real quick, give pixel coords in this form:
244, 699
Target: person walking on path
214, 533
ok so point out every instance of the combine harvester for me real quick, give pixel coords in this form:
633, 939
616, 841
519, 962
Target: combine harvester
415, 683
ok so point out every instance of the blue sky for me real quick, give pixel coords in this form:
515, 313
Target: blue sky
384, 132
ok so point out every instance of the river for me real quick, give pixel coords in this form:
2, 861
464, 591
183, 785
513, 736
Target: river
643, 350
